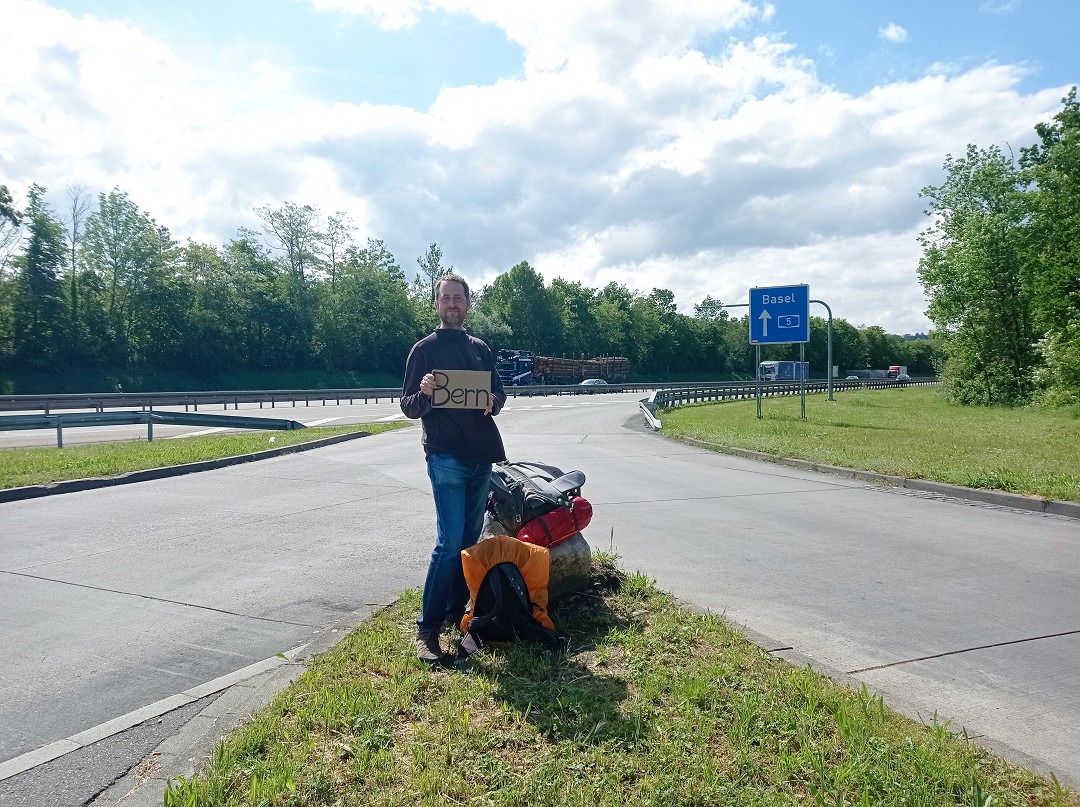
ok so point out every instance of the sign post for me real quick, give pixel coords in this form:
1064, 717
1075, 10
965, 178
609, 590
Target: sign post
780, 315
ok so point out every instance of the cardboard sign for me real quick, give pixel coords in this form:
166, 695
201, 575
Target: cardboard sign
461, 389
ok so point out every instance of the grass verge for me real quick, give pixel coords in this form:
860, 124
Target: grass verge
912, 432
39, 466
653, 705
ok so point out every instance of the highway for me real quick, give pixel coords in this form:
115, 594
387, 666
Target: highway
121, 597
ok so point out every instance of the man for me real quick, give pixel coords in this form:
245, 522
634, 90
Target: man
460, 445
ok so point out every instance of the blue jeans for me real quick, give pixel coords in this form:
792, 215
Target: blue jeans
460, 490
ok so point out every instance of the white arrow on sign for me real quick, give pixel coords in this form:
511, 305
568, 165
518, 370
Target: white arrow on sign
765, 316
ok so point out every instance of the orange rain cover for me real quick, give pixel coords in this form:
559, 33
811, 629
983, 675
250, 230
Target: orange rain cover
533, 561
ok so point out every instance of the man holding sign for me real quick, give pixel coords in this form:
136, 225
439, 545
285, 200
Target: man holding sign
451, 385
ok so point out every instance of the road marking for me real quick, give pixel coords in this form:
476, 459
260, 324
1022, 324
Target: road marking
57, 749
198, 433
322, 421
391, 417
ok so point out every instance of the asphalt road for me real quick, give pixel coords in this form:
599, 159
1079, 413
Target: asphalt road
118, 598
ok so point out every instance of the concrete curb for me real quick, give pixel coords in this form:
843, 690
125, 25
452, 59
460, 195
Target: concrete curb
998, 497
74, 485
184, 753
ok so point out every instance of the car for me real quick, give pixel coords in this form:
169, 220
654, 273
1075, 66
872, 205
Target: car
903, 377
852, 378
593, 382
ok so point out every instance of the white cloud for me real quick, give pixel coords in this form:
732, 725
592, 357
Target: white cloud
893, 33
1000, 6
621, 153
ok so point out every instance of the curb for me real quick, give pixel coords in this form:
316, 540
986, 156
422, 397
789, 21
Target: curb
74, 485
998, 497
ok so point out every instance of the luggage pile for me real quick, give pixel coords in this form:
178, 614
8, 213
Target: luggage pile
538, 504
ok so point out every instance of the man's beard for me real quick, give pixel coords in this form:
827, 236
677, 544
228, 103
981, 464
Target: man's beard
453, 318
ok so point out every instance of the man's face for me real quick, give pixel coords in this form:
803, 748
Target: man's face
451, 304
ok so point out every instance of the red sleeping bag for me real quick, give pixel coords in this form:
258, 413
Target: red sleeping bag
557, 525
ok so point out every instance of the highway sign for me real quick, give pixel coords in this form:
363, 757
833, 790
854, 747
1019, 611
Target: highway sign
779, 315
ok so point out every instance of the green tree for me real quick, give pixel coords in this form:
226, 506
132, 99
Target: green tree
334, 243
292, 230
120, 246
10, 234
973, 272
39, 334
369, 323
1052, 250
520, 299
574, 304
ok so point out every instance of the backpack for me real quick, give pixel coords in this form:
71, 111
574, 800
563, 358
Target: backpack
521, 491
502, 612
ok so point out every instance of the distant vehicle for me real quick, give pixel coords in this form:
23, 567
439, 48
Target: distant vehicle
852, 378
515, 367
593, 382
903, 377
519, 368
784, 370
897, 370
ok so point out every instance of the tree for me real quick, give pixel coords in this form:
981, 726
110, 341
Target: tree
368, 324
39, 313
120, 246
710, 310
520, 299
78, 206
10, 233
291, 229
431, 269
335, 242
574, 306
1052, 250
973, 272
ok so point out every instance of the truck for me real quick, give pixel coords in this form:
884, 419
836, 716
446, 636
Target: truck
521, 367
898, 372
784, 370
515, 367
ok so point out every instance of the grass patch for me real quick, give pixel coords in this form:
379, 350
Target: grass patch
39, 466
912, 432
653, 705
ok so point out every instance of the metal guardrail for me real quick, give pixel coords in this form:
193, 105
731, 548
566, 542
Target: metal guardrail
670, 397
76, 419
191, 401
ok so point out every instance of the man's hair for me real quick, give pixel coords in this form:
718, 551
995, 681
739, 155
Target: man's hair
452, 278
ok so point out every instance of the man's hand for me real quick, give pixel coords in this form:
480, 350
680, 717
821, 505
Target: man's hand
427, 385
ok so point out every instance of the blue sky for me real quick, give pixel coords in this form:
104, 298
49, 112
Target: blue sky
703, 147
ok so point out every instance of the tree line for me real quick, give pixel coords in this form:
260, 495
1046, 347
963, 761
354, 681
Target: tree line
103, 285
1001, 268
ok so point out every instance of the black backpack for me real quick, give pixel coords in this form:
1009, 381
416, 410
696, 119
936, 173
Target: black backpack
521, 491
503, 613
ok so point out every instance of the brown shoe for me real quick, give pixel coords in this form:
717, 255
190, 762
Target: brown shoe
428, 649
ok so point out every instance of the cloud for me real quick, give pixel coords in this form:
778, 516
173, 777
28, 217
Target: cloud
623, 151
893, 33
1000, 6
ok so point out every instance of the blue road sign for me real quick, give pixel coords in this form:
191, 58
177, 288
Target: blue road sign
779, 315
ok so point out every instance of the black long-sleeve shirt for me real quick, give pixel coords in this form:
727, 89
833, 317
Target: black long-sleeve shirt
466, 433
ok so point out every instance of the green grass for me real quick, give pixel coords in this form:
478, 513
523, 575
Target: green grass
39, 466
653, 705
912, 432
